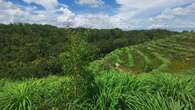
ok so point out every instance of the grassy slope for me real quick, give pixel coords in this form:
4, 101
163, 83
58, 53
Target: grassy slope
173, 55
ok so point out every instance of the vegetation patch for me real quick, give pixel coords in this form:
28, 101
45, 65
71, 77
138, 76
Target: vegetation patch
43, 67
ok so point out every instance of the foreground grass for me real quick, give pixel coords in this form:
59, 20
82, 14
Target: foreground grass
145, 92
111, 91
42, 94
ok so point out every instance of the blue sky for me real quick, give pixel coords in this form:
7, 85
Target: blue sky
124, 14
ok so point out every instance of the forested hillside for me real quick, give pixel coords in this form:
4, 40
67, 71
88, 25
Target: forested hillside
43, 67
35, 50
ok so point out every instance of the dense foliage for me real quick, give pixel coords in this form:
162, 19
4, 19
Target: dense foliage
36, 50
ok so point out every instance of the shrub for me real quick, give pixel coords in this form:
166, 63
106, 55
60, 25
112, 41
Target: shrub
16, 97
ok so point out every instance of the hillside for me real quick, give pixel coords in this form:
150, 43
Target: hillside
32, 50
48, 68
175, 54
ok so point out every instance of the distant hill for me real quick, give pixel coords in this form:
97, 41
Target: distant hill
175, 54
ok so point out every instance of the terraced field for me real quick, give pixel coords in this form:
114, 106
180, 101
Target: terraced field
174, 55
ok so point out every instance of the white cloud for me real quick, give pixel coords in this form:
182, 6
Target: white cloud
66, 18
47, 4
93, 21
92, 3
177, 12
178, 18
8, 12
131, 14
141, 8
135, 14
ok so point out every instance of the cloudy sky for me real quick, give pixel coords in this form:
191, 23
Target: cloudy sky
124, 14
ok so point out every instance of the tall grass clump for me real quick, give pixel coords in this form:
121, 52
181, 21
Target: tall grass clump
181, 88
16, 97
41, 94
147, 101
144, 92
112, 90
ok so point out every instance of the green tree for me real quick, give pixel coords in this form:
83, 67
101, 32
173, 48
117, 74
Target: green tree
77, 55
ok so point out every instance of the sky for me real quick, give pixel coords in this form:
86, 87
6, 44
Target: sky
102, 14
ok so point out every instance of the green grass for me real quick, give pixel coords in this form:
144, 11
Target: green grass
147, 62
112, 91
41, 94
155, 62
122, 56
145, 92
165, 62
165, 55
139, 64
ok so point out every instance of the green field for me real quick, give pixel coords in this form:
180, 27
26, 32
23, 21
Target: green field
50, 68
171, 55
